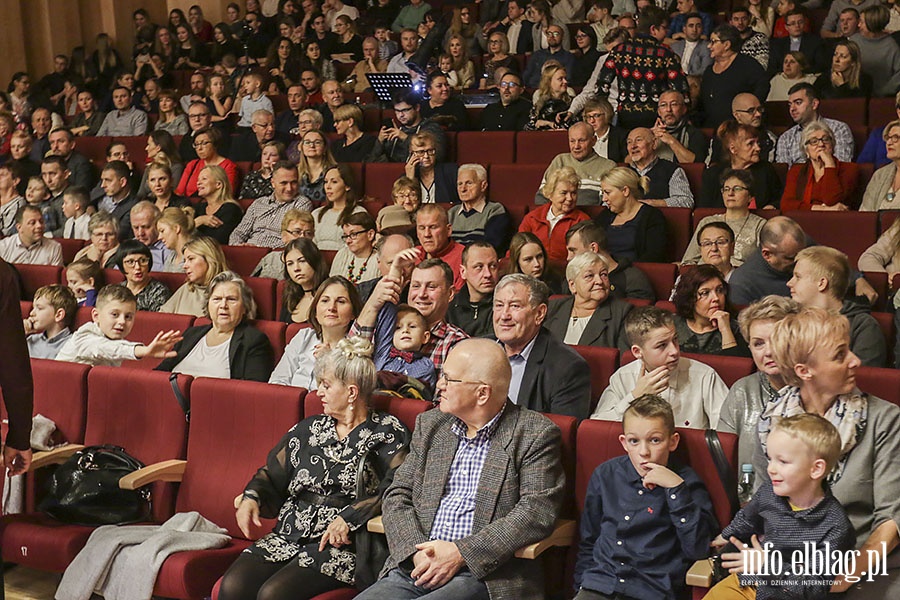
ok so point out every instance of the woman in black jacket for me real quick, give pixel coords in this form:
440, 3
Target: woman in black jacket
228, 347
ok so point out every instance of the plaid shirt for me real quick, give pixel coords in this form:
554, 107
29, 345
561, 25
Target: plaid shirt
261, 225
788, 149
443, 337
456, 512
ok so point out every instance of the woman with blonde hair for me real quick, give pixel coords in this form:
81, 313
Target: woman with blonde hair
176, 228
315, 160
462, 67
634, 230
498, 57
551, 221
203, 260
552, 99
218, 213
882, 190
348, 47
884, 255
464, 26
845, 79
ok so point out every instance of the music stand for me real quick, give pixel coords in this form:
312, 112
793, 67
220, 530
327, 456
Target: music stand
384, 84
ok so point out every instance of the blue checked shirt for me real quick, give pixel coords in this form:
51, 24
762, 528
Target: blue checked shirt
454, 516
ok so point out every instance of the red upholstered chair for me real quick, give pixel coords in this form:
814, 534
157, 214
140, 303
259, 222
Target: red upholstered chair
881, 112
173, 281
36, 276
661, 275
539, 147
777, 114
849, 110
886, 323
830, 229
264, 293
234, 424
884, 383
243, 259
125, 407
292, 330
380, 178
678, 225
603, 363
25, 308
405, 409
94, 149
879, 281
887, 218
515, 185
486, 147
70, 248
694, 172
147, 324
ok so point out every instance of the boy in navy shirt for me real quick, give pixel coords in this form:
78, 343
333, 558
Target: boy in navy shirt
645, 521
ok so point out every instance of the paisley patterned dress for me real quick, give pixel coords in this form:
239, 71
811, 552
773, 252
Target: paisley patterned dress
310, 478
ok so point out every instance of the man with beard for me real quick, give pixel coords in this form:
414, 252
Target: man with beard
679, 141
512, 112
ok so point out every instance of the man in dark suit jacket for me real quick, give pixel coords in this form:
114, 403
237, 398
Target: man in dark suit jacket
515, 16
811, 45
548, 376
515, 486
262, 131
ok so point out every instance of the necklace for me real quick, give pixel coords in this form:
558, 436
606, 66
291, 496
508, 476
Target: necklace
352, 267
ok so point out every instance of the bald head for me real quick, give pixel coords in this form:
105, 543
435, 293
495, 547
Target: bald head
486, 361
388, 248
747, 110
780, 239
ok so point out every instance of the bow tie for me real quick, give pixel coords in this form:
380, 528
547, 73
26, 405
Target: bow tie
401, 354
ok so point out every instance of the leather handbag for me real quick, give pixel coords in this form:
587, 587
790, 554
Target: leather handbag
85, 490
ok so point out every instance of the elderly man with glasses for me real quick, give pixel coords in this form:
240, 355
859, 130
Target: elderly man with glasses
262, 131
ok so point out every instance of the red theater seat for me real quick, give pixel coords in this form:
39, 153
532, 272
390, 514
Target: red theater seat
849, 110
883, 383
539, 147
264, 293
881, 112
405, 409
694, 172
126, 407
729, 368
380, 178
70, 248
830, 229
603, 362
36, 276
243, 259
515, 185
292, 330
661, 275
93, 148
217, 469
678, 228
173, 281
147, 324
486, 147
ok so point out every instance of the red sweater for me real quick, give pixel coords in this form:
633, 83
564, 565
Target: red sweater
836, 185
536, 222
188, 184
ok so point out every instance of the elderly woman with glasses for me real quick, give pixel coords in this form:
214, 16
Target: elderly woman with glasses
730, 74
882, 191
822, 182
104, 231
498, 57
135, 262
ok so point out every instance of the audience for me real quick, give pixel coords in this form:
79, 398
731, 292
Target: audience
50, 322
635, 230
203, 260
821, 182
590, 166
472, 307
804, 104
880, 192
731, 73
704, 316
135, 261
626, 280
475, 217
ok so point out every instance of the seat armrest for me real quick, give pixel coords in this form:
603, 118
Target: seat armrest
700, 574
57, 456
563, 535
167, 470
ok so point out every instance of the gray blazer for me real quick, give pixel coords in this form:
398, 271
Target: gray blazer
700, 59
518, 500
605, 328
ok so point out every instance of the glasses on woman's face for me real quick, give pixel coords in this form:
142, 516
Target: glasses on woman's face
737, 189
716, 242
819, 141
202, 144
133, 262
353, 235
313, 143
425, 152
302, 233
893, 139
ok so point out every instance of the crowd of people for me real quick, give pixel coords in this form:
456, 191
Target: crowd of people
444, 294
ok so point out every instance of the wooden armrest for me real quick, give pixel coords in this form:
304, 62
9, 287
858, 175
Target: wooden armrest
167, 470
375, 525
700, 574
563, 535
57, 456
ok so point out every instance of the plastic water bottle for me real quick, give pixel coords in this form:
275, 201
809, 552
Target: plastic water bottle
745, 486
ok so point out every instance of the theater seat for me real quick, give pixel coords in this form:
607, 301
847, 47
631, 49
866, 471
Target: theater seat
540, 147
125, 407
729, 368
405, 409
264, 293
37, 276
678, 229
486, 147
661, 275
848, 110
884, 383
147, 324
292, 330
830, 229
228, 442
380, 178
603, 362
881, 112
515, 185
70, 248
243, 259
274, 330
879, 281
694, 172
886, 323
173, 281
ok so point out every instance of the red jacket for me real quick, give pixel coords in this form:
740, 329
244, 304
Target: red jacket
536, 222
836, 185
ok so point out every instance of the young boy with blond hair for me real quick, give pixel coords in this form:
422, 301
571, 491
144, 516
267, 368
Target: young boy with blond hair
794, 508
49, 324
102, 341
646, 519
254, 99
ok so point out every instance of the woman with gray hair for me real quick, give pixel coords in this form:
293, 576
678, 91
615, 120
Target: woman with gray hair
228, 347
104, 231
323, 481
881, 192
590, 316
822, 182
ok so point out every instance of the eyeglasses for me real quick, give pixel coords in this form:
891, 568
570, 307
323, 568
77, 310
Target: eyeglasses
704, 294
594, 116
716, 242
713, 41
302, 233
405, 195
200, 116
201, 144
819, 141
353, 235
426, 152
509, 85
131, 262
310, 143
580, 36
752, 111
443, 375
264, 125
499, 41
401, 111
554, 34
892, 138
736, 189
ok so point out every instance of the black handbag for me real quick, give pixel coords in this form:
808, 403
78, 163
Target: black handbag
85, 490
371, 548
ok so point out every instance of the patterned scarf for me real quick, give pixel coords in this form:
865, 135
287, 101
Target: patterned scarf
848, 414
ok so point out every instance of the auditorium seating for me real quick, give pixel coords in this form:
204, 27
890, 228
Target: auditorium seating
883, 383
603, 362
494, 147
234, 425
830, 229
243, 259
678, 230
36, 276
661, 275
129, 408
540, 147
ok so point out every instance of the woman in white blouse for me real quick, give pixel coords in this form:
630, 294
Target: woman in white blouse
334, 307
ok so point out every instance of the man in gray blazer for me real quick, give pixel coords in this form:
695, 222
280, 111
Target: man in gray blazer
483, 478
698, 50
